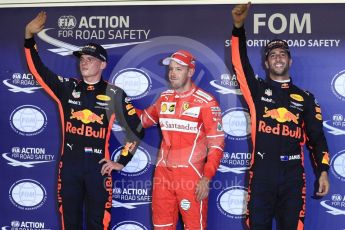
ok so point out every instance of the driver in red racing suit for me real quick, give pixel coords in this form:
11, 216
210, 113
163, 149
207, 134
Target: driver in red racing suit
283, 119
191, 148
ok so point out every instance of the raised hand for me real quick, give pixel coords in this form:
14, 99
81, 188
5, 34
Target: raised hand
239, 14
36, 25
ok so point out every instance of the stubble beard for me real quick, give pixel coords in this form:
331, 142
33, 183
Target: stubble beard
279, 73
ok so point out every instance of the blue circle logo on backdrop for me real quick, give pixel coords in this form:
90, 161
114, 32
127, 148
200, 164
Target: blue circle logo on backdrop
28, 120
138, 165
129, 225
236, 123
338, 165
135, 82
27, 194
338, 85
232, 202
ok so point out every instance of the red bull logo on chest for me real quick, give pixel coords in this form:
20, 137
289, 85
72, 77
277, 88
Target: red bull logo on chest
281, 115
86, 117
280, 129
85, 130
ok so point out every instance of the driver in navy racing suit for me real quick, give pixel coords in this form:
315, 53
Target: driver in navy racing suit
283, 119
88, 109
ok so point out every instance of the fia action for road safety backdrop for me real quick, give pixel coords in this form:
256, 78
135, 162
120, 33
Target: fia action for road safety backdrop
137, 38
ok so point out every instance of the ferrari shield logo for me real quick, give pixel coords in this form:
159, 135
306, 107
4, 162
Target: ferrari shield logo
185, 105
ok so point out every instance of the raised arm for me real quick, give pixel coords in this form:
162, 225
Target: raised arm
239, 14
51, 82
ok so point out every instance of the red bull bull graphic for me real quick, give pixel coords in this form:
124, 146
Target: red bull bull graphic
281, 115
86, 116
